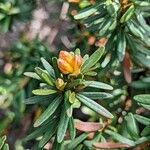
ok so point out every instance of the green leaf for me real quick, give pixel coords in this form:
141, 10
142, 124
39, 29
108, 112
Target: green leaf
143, 98
55, 66
73, 144
128, 14
44, 76
37, 99
142, 4
67, 104
98, 85
119, 138
72, 129
145, 106
134, 30
49, 111
48, 134
32, 75
142, 120
62, 126
6, 24
14, 11
85, 13
94, 106
143, 140
48, 67
2, 16
94, 58
132, 126
6, 147
43, 92
57, 146
146, 131
121, 45
2, 141
90, 73
97, 95
40, 130
105, 26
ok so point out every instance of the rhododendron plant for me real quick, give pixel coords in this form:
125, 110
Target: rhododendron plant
65, 86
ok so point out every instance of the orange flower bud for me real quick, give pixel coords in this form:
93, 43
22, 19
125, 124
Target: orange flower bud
77, 64
69, 63
64, 67
68, 57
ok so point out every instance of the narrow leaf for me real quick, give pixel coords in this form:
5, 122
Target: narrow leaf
94, 106
132, 126
98, 85
72, 129
85, 13
142, 120
32, 75
62, 126
43, 92
128, 14
121, 45
44, 76
94, 58
37, 99
146, 131
73, 144
97, 95
120, 138
2, 141
144, 98
48, 134
48, 67
49, 111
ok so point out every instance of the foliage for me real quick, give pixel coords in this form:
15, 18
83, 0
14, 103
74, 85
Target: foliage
12, 79
11, 10
67, 92
3, 145
98, 101
122, 23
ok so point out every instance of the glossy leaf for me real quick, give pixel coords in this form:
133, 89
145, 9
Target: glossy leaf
120, 138
48, 67
44, 76
97, 95
144, 98
142, 120
32, 75
49, 111
48, 134
73, 144
96, 84
94, 106
62, 127
43, 92
37, 99
72, 129
94, 58
132, 126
